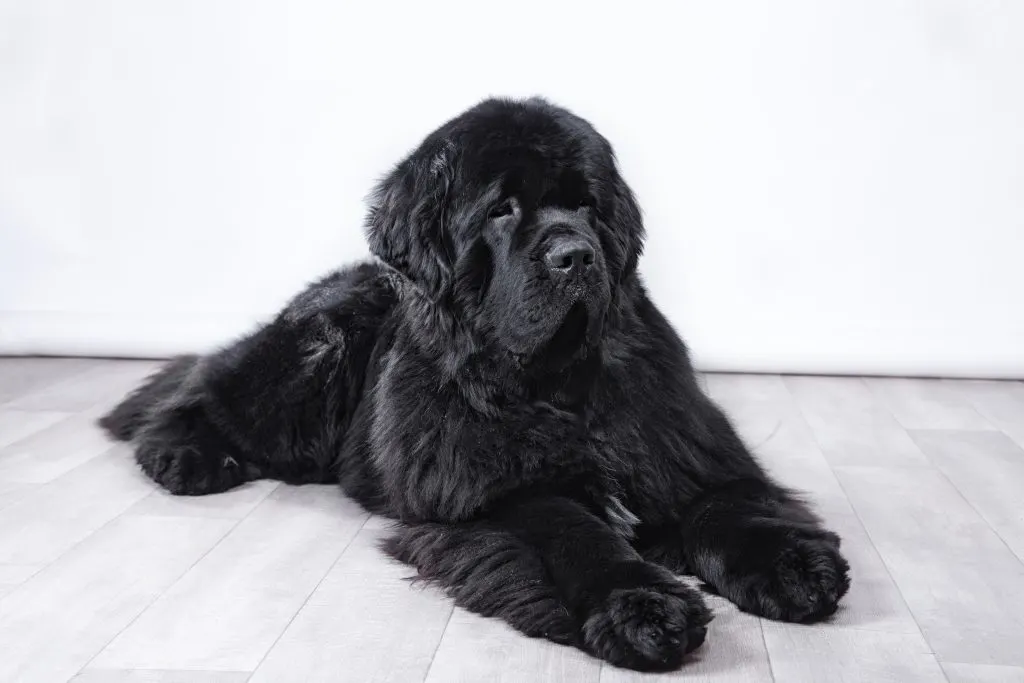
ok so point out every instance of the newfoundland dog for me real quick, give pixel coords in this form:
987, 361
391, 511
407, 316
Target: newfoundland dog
500, 384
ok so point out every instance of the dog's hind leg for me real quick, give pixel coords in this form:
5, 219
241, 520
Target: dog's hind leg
178, 442
125, 420
183, 451
275, 403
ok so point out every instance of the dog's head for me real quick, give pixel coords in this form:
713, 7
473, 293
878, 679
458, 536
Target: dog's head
515, 217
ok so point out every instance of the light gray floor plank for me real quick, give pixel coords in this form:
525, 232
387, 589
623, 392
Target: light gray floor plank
56, 450
734, 652
801, 654
60, 618
15, 425
19, 376
41, 526
234, 504
927, 404
13, 575
959, 579
101, 384
11, 492
982, 673
1001, 402
365, 622
851, 425
378, 522
988, 470
476, 648
874, 602
229, 609
767, 418
160, 676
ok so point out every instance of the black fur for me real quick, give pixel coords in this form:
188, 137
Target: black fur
538, 434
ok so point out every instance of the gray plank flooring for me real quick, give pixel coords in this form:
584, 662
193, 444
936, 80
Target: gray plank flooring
106, 579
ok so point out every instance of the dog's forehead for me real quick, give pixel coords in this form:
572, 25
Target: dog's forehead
493, 148
521, 143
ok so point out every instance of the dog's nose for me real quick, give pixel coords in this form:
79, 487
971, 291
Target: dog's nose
571, 255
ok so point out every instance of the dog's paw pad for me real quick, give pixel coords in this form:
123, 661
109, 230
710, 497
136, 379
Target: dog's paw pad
805, 584
646, 628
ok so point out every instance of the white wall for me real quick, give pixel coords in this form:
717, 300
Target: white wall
829, 186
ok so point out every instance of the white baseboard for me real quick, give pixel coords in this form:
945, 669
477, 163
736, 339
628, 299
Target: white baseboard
119, 335
867, 364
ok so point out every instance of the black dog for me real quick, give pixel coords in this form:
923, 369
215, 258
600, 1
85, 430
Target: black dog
503, 387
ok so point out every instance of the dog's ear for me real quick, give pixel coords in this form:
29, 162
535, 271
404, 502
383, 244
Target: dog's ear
405, 226
627, 223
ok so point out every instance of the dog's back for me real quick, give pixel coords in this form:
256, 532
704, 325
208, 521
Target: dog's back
276, 403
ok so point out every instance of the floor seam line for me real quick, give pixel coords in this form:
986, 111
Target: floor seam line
305, 601
185, 571
853, 508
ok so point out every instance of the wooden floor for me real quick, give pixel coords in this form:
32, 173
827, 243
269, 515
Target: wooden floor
105, 578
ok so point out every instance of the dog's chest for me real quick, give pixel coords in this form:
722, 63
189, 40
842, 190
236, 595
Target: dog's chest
417, 418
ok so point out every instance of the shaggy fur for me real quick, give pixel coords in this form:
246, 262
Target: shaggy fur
501, 385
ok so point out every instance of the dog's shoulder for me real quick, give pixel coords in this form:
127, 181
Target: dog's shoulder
365, 290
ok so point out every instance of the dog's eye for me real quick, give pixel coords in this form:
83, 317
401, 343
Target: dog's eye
502, 210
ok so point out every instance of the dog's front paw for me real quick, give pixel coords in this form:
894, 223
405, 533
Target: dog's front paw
648, 628
804, 583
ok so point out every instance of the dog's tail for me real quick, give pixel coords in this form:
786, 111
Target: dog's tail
125, 420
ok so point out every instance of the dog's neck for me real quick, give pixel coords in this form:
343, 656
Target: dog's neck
489, 376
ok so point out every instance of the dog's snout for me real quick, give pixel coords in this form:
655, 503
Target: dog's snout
569, 255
